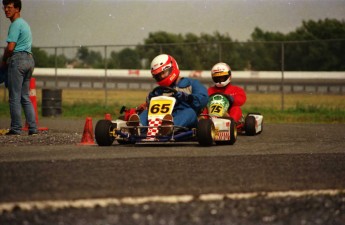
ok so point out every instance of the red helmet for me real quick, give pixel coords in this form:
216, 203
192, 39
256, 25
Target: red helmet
164, 70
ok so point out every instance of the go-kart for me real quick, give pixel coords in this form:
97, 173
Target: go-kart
217, 109
209, 130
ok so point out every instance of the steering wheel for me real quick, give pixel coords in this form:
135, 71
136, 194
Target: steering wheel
159, 90
222, 94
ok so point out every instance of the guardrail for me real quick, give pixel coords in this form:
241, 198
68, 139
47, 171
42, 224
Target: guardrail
251, 81
335, 86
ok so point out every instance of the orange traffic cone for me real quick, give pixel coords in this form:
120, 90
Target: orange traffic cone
87, 138
107, 116
32, 95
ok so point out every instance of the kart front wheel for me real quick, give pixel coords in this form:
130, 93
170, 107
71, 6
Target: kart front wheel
205, 132
102, 133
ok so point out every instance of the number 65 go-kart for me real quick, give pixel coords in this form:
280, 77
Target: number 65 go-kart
212, 128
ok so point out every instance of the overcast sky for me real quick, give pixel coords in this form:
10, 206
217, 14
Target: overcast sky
122, 22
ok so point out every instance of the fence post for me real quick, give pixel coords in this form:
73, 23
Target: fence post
105, 75
282, 79
160, 49
56, 66
220, 52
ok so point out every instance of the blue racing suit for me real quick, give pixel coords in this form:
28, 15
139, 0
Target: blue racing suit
191, 99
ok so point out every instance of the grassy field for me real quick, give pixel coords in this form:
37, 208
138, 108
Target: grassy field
298, 108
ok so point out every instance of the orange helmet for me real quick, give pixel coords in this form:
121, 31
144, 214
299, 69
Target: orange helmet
221, 74
164, 70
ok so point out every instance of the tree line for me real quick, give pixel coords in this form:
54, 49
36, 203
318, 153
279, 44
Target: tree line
314, 46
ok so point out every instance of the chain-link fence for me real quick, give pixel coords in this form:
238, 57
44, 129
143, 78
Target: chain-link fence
318, 57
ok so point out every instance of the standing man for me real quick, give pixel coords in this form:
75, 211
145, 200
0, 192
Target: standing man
20, 66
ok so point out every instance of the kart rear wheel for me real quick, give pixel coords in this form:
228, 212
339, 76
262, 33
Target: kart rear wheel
249, 125
233, 134
205, 132
102, 133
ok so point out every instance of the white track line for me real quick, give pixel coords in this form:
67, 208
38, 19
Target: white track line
103, 202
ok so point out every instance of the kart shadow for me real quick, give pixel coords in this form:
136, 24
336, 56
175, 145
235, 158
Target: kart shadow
160, 144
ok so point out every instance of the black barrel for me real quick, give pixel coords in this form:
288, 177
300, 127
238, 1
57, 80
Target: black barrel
51, 102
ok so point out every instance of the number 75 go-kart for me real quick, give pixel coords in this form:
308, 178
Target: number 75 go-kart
212, 128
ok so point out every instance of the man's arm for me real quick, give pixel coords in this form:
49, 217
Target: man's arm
200, 96
8, 53
238, 94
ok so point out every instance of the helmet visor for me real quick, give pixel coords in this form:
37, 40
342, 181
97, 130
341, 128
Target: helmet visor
220, 78
162, 75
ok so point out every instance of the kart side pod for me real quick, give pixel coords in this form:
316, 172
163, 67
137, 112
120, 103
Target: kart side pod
253, 124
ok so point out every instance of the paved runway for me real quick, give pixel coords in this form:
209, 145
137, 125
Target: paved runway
289, 174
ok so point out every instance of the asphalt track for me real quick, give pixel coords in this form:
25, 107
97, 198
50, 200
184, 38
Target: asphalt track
289, 174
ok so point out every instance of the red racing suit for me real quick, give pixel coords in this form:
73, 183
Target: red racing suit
238, 95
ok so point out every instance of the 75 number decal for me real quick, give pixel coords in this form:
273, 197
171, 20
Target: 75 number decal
216, 108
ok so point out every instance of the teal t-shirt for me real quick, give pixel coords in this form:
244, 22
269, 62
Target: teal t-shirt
20, 33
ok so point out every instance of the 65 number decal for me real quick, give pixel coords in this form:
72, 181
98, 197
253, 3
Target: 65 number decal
160, 108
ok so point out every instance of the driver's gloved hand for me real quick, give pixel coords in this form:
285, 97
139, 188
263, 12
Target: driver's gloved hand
230, 98
151, 95
155, 92
184, 97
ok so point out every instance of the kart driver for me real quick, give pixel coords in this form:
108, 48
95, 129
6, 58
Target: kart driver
221, 76
191, 96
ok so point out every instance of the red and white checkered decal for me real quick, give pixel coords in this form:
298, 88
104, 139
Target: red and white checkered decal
222, 136
153, 126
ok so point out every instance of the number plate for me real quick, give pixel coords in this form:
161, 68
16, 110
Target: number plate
161, 105
216, 110
218, 105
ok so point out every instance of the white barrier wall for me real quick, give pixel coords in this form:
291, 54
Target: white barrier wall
187, 73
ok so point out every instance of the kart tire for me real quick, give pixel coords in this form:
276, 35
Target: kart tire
205, 132
249, 125
233, 134
102, 133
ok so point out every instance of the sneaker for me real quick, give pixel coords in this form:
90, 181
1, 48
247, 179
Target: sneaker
11, 132
33, 133
133, 121
167, 125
